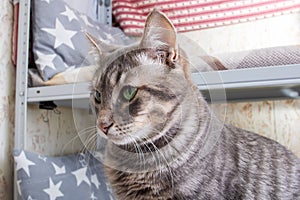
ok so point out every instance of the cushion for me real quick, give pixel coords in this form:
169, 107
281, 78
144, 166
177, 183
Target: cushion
78, 176
59, 40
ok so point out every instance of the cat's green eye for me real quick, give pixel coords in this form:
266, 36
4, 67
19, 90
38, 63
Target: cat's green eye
97, 97
129, 92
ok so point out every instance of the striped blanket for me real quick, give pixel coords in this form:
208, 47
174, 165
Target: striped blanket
189, 15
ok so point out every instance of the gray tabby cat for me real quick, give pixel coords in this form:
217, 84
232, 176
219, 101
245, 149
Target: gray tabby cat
163, 140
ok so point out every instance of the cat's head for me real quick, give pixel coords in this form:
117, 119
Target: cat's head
139, 91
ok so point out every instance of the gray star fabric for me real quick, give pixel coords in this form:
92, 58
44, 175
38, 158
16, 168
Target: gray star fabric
59, 42
76, 177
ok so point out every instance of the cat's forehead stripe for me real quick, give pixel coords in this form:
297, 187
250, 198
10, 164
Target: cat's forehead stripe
122, 64
160, 92
145, 59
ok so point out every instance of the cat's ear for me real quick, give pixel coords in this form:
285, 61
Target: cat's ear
99, 47
160, 34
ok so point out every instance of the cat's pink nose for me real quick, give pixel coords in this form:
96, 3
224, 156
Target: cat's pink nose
104, 126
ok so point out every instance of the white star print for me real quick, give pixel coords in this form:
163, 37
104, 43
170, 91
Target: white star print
48, 1
59, 170
62, 35
86, 20
69, 13
45, 60
80, 176
19, 187
109, 36
42, 158
82, 160
108, 187
70, 68
66, 65
23, 163
95, 181
53, 190
93, 197
30, 198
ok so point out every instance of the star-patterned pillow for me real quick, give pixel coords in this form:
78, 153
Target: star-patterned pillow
78, 176
59, 42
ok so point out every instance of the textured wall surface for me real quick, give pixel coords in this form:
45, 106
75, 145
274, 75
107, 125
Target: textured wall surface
53, 133
278, 120
7, 74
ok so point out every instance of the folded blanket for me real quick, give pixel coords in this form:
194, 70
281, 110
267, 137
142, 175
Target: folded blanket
274, 56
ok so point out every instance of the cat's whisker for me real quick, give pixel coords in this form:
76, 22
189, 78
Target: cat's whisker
88, 140
72, 140
141, 114
87, 129
80, 133
140, 152
92, 141
158, 156
89, 146
182, 145
144, 143
165, 136
166, 162
87, 133
136, 121
149, 140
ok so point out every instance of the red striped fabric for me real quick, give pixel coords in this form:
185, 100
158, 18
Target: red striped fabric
189, 15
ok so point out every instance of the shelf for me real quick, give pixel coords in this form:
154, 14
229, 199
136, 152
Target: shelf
76, 94
279, 82
252, 84
58, 92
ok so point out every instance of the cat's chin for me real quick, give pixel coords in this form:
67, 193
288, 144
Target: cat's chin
119, 139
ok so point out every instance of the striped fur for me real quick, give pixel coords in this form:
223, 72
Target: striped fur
165, 143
